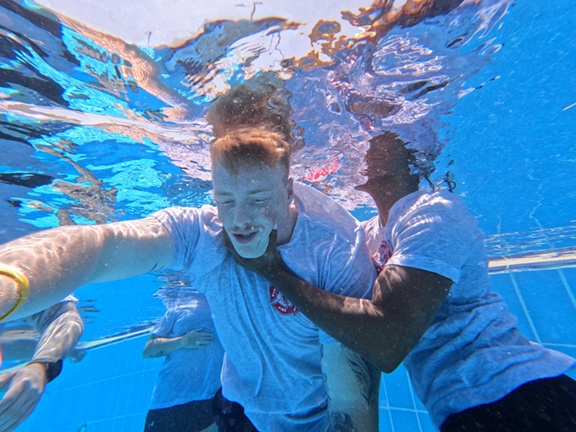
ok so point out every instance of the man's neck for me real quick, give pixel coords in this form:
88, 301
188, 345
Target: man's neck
385, 204
387, 192
287, 228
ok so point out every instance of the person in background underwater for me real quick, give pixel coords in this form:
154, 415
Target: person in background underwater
190, 376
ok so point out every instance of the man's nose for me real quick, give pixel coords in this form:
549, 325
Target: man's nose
242, 215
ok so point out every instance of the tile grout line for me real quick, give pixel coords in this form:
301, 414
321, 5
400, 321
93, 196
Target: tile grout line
416, 411
103, 380
99, 421
388, 403
521, 300
413, 400
567, 287
559, 345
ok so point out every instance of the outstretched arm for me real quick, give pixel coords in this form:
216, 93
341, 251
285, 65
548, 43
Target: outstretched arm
60, 327
159, 346
383, 329
56, 262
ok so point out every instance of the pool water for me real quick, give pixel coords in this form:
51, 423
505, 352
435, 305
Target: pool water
107, 123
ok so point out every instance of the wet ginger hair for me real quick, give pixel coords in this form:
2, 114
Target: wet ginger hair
251, 147
259, 102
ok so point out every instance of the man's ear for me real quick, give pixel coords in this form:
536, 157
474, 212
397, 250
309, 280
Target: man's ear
290, 189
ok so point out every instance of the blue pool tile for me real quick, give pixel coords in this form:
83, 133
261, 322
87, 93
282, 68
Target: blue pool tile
71, 428
126, 358
108, 425
425, 422
128, 403
419, 405
569, 350
99, 364
385, 421
128, 423
568, 276
139, 419
143, 386
134, 423
396, 392
383, 396
47, 415
118, 425
120, 398
405, 421
549, 305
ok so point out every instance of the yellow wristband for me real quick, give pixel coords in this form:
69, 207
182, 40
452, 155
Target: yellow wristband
23, 287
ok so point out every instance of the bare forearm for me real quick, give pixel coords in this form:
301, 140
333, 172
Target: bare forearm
354, 322
383, 330
159, 347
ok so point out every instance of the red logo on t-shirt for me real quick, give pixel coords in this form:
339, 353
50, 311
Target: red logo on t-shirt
382, 255
281, 303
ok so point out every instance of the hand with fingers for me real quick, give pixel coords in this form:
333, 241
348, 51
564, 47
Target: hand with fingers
197, 339
266, 265
24, 388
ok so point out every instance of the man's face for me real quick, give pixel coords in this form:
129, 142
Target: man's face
251, 204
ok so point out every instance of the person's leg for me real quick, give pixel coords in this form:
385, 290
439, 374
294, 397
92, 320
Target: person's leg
353, 386
229, 416
541, 405
193, 416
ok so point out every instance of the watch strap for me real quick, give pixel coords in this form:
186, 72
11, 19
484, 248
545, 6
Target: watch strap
52, 367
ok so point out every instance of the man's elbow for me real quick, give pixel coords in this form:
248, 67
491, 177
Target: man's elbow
76, 326
80, 325
151, 350
149, 354
79, 329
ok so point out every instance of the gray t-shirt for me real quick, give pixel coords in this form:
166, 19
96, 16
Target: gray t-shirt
473, 353
273, 352
187, 374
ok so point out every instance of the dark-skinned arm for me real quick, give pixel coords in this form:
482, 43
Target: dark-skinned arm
383, 330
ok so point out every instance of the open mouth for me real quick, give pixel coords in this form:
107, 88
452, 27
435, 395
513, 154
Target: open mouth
244, 239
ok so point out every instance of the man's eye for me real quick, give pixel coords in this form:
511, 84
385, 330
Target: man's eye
260, 201
224, 202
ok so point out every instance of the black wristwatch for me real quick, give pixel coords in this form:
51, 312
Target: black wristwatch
52, 367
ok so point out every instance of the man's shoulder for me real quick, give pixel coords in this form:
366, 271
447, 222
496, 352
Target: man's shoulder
322, 211
181, 215
440, 201
440, 214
